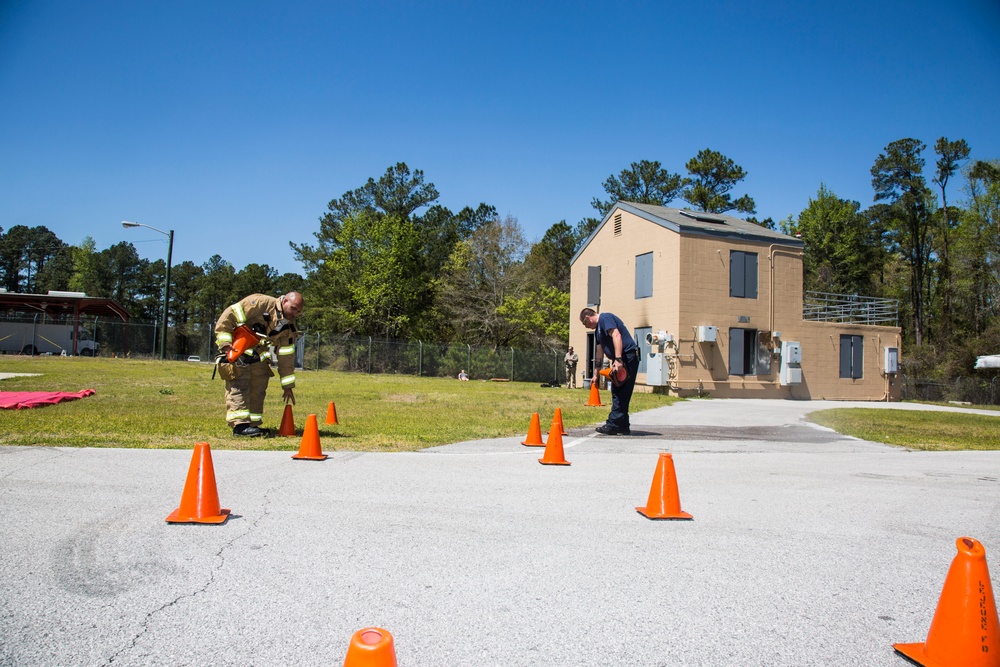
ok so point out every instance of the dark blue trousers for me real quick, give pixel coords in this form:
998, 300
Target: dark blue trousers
622, 396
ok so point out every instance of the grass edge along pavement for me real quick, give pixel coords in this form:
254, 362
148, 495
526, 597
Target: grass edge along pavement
914, 429
156, 404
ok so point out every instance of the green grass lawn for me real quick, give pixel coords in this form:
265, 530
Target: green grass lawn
914, 429
158, 404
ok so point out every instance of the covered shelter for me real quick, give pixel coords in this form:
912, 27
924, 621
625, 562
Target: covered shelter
63, 305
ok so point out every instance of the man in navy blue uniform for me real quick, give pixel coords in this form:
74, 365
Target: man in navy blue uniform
616, 343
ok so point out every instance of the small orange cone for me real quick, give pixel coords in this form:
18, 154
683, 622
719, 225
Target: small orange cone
371, 647
964, 629
309, 449
557, 418
287, 422
664, 500
534, 438
200, 499
331, 414
594, 401
553, 455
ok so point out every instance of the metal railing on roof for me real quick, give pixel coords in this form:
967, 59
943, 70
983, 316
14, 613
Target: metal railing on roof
850, 309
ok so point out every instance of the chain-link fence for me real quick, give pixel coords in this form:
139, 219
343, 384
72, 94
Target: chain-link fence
414, 357
141, 339
975, 390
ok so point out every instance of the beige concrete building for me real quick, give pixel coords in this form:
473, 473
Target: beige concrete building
717, 306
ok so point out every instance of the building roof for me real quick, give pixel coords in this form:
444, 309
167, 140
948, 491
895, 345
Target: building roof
63, 303
684, 221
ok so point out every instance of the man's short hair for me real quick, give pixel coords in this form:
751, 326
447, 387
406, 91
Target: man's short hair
587, 312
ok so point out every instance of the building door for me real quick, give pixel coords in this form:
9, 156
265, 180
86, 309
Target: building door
588, 368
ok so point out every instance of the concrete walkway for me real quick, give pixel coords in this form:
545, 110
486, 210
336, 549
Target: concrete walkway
806, 548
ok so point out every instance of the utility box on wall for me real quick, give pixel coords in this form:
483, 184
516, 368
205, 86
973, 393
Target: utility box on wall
791, 363
657, 370
891, 360
705, 334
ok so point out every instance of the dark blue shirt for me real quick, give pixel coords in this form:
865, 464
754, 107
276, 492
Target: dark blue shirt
606, 322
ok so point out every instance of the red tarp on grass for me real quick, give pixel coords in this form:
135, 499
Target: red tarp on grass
17, 400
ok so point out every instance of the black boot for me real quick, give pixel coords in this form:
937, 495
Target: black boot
247, 431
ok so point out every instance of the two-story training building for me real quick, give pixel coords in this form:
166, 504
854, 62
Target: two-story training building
717, 307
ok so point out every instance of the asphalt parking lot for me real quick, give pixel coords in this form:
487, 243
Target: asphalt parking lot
806, 548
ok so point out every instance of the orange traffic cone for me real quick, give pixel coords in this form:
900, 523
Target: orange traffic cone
331, 414
557, 419
309, 449
594, 401
553, 455
964, 629
371, 647
287, 422
534, 438
200, 499
243, 340
664, 500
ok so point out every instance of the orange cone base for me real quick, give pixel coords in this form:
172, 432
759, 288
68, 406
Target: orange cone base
918, 654
528, 444
175, 517
554, 463
676, 517
306, 457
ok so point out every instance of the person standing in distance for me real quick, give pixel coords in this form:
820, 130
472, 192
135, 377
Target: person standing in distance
571, 359
247, 376
616, 343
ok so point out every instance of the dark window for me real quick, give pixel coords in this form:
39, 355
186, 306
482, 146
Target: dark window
644, 276
742, 274
593, 286
852, 356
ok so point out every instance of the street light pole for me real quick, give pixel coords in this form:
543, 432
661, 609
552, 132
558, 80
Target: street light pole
166, 288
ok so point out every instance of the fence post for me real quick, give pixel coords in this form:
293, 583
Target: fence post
420, 358
319, 345
511, 364
369, 355
469, 365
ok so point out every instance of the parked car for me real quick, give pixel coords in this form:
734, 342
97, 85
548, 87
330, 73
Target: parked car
194, 357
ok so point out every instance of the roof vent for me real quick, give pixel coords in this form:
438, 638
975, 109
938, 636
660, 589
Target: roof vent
702, 217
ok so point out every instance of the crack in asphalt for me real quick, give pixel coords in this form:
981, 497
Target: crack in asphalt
221, 561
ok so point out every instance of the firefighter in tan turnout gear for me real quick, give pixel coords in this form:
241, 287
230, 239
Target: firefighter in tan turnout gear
272, 321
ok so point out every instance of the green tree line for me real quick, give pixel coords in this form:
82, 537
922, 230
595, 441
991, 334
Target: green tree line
389, 261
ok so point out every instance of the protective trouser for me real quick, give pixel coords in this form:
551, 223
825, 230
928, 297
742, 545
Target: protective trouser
245, 395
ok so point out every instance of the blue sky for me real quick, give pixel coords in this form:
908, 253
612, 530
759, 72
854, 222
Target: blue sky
234, 123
